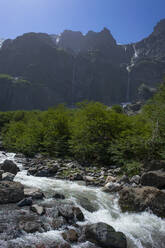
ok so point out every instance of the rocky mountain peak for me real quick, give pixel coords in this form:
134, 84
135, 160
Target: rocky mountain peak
160, 27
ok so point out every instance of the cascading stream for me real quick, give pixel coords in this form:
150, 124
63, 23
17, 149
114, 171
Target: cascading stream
143, 230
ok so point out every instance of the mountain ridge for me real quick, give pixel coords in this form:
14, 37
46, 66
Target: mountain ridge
73, 67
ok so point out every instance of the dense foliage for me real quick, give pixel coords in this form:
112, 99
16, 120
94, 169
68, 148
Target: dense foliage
92, 133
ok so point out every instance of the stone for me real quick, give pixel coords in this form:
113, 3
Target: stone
70, 235
123, 179
1, 172
105, 236
78, 215
110, 179
140, 199
88, 179
89, 206
154, 178
37, 209
9, 166
34, 193
32, 171
58, 222
46, 171
58, 196
71, 213
7, 176
112, 187
30, 226
11, 192
135, 179
77, 176
25, 202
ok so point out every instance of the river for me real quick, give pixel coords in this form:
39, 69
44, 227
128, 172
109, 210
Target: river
143, 230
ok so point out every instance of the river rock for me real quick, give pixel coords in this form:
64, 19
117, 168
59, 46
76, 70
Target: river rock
105, 236
7, 176
71, 213
71, 235
34, 193
112, 187
46, 171
77, 176
37, 209
1, 172
124, 179
135, 179
88, 179
30, 226
154, 178
78, 215
9, 166
59, 196
11, 192
58, 222
110, 179
85, 203
25, 202
139, 199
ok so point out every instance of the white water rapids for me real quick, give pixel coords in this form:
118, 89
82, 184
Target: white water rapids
143, 230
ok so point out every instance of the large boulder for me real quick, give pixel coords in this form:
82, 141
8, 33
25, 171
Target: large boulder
9, 166
71, 213
11, 192
34, 193
7, 176
112, 187
154, 178
105, 236
140, 199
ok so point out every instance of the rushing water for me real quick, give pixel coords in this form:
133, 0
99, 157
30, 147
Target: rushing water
143, 230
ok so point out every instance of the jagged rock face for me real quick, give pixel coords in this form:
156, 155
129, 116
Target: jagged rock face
73, 67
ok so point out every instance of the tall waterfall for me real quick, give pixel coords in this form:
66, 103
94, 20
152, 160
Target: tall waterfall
129, 68
128, 84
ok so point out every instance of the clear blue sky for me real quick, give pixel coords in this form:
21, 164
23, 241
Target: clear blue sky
128, 20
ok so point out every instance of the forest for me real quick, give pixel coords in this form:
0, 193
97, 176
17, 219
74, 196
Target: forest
92, 133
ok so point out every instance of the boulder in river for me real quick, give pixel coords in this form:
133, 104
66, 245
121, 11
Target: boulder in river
38, 209
11, 192
71, 213
71, 235
9, 166
25, 202
154, 178
139, 199
58, 222
58, 196
104, 235
112, 187
1, 173
34, 193
30, 226
7, 176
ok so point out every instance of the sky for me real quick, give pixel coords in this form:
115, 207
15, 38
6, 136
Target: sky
128, 20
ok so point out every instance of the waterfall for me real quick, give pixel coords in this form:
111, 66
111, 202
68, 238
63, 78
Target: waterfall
128, 84
135, 52
143, 230
129, 68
